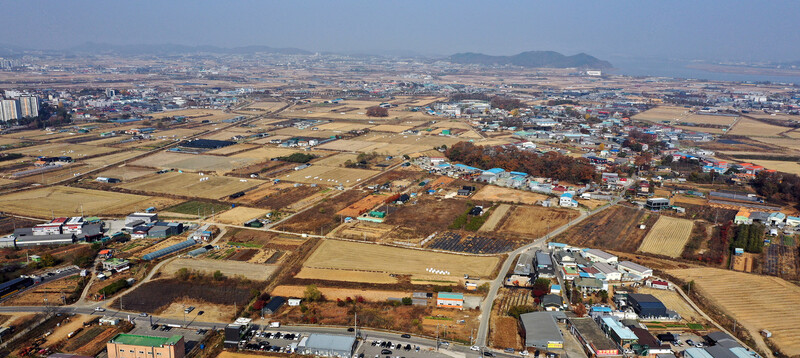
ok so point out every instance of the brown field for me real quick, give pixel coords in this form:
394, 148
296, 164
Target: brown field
233, 149
535, 221
348, 276
67, 201
674, 302
320, 219
76, 151
336, 160
112, 158
438, 215
340, 127
51, 292
616, 228
197, 114
709, 119
189, 185
495, 193
338, 255
753, 128
288, 197
781, 166
193, 162
239, 215
267, 153
663, 113
392, 128
350, 109
55, 176
127, 172
229, 268
363, 205
332, 293
266, 106
319, 174
677, 199
497, 216
667, 237
766, 303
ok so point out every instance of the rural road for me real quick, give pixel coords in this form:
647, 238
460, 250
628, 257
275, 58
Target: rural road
486, 306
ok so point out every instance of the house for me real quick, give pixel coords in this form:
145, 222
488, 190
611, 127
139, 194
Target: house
135, 346
450, 300
590, 284
620, 334
115, 264
657, 204
596, 255
552, 302
594, 341
566, 200
647, 345
544, 265
635, 269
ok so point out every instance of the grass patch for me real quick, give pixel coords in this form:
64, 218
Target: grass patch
439, 318
695, 326
194, 207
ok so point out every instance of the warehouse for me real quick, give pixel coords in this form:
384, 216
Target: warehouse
235, 331
647, 305
638, 271
36, 240
450, 300
595, 255
327, 345
146, 218
541, 330
616, 331
544, 265
273, 306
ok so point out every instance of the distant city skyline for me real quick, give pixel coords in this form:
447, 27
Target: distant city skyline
708, 30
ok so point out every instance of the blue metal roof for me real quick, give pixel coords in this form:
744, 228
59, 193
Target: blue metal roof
495, 170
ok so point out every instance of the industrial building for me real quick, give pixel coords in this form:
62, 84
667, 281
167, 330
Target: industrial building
450, 300
544, 265
595, 255
541, 331
273, 306
327, 345
638, 271
646, 305
657, 204
235, 331
620, 334
134, 346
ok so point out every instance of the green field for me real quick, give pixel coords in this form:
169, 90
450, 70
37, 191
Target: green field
194, 207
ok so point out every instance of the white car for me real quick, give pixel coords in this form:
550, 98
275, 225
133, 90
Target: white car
523, 353
99, 309
474, 348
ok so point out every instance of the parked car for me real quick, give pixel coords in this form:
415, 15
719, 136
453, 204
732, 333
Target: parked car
488, 354
509, 350
386, 351
405, 335
474, 348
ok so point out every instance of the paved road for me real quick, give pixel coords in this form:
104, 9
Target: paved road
486, 306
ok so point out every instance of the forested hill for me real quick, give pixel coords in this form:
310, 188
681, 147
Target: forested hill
549, 59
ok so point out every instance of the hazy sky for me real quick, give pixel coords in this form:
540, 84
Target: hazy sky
725, 29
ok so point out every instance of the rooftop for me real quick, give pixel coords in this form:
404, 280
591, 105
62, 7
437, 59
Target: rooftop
145, 341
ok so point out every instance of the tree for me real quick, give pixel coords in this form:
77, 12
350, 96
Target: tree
377, 111
515, 112
407, 301
603, 295
218, 276
48, 260
579, 310
312, 294
182, 274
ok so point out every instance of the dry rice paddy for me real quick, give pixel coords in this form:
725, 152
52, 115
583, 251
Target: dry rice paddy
67, 201
667, 237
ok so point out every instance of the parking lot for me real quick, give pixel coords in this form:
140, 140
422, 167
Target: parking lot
380, 348
272, 341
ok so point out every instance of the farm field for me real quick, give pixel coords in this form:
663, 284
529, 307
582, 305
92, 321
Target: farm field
709, 119
495, 193
126, 172
189, 185
229, 268
192, 162
342, 126
438, 214
76, 151
338, 255
535, 221
156, 295
778, 314
239, 215
284, 196
112, 158
392, 128
779, 165
240, 147
667, 237
753, 128
497, 215
663, 113
349, 276
336, 160
320, 174
320, 219
350, 109
266, 153
197, 114
333, 293
266, 106
68, 201
616, 228
50, 291
674, 302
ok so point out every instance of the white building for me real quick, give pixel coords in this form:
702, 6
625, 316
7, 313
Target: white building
596, 255
9, 110
567, 200
610, 273
29, 106
635, 269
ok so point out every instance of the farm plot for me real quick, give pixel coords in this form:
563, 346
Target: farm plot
497, 215
112, 158
266, 106
667, 237
320, 218
753, 128
345, 145
267, 153
778, 313
197, 114
282, 196
438, 215
333, 293
68, 201
76, 151
239, 215
193, 162
320, 174
495, 193
363, 205
392, 128
536, 221
49, 292
154, 296
338, 255
126, 172
663, 113
452, 241
190, 185
229, 268
337, 160
240, 147
616, 228
349, 276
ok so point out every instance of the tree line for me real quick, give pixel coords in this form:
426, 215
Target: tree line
551, 164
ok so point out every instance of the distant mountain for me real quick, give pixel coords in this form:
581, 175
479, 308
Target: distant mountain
171, 49
549, 59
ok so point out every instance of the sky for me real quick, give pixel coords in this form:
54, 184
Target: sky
728, 30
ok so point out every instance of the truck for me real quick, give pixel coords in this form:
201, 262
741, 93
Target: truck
188, 309
274, 325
